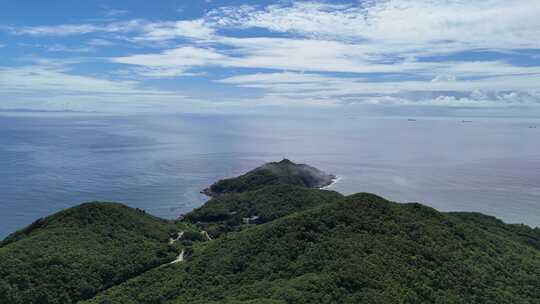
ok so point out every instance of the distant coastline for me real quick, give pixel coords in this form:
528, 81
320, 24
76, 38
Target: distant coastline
23, 110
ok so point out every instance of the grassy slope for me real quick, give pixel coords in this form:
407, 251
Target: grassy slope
74, 254
362, 249
226, 212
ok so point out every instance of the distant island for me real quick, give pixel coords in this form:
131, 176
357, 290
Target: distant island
284, 172
271, 236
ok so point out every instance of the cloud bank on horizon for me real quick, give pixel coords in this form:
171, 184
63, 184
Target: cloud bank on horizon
248, 55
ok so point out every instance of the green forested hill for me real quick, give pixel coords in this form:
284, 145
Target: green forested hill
231, 212
284, 172
75, 253
279, 242
362, 249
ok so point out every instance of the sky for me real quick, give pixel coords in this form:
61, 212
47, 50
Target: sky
384, 56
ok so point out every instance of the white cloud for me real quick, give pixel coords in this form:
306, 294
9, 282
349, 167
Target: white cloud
51, 83
59, 30
398, 25
77, 29
330, 52
273, 53
401, 24
68, 49
44, 78
145, 30
382, 37
178, 29
440, 78
486, 91
173, 62
155, 72
275, 78
312, 55
97, 42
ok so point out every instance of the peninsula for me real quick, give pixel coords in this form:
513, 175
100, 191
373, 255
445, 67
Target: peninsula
271, 236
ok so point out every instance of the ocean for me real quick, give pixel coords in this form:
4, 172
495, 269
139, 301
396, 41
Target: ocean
160, 162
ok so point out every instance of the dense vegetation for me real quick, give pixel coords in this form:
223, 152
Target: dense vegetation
232, 212
362, 249
76, 253
490, 223
274, 240
284, 172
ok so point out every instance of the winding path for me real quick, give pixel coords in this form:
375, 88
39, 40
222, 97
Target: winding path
179, 235
180, 257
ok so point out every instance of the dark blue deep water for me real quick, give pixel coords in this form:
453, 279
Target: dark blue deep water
49, 162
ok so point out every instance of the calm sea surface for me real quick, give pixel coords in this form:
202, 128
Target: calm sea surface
49, 162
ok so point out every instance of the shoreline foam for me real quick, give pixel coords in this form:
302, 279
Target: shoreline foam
334, 181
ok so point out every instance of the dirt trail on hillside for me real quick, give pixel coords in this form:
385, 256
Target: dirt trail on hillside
180, 258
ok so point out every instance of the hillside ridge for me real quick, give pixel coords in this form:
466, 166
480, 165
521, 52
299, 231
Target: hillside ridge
280, 241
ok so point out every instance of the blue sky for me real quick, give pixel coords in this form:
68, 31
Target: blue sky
440, 56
